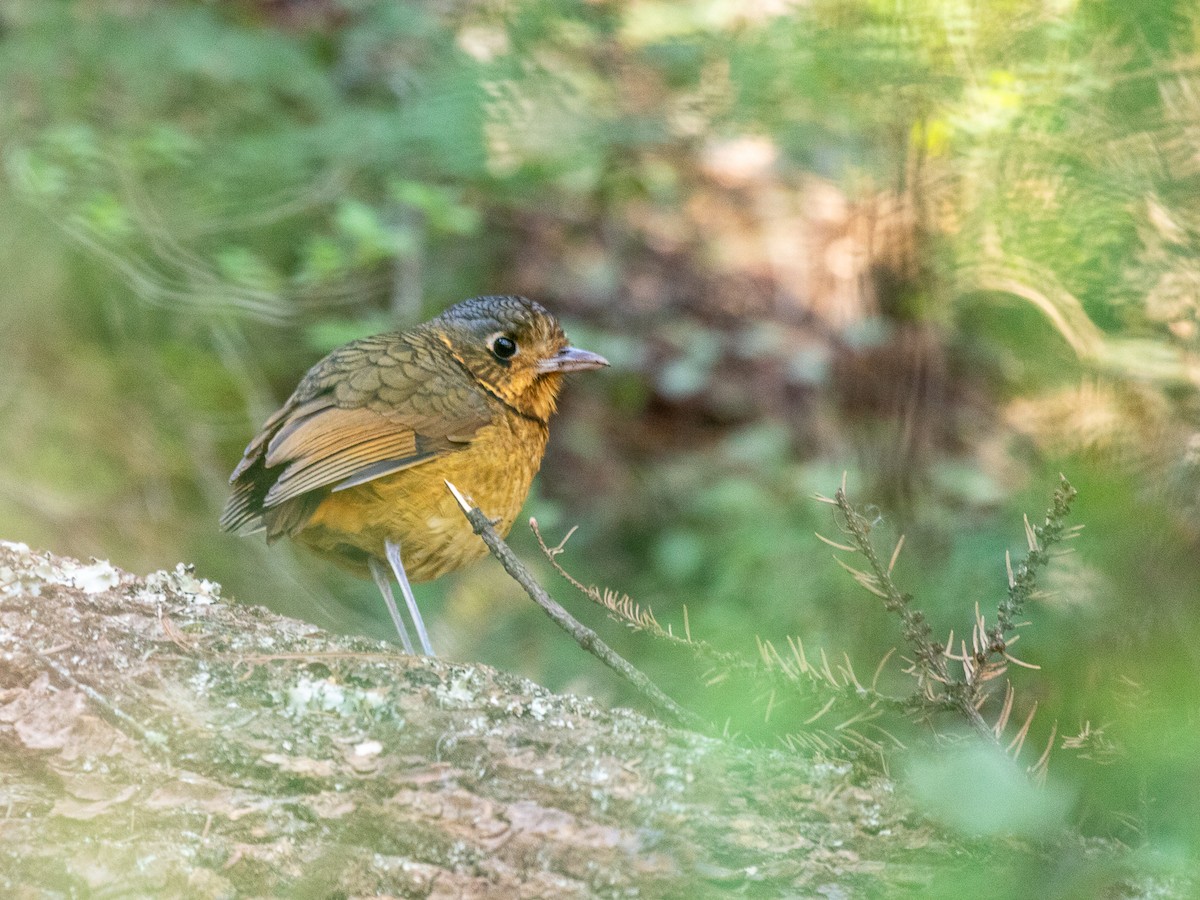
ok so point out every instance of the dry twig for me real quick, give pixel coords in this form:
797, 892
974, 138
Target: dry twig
584, 636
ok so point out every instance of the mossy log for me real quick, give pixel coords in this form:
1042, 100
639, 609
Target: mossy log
157, 740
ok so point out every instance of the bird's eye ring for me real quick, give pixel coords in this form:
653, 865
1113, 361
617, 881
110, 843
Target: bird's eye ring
503, 347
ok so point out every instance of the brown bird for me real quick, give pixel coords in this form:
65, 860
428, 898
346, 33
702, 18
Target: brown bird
354, 465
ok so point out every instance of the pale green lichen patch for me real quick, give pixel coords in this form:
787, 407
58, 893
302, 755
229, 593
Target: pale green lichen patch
29, 572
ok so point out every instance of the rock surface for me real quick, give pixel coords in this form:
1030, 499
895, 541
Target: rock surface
156, 740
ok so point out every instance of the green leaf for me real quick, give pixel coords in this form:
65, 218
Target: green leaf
982, 792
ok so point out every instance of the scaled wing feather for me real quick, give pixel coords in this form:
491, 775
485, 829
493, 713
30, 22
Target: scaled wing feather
330, 437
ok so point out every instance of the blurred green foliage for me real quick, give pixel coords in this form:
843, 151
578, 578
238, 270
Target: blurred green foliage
950, 249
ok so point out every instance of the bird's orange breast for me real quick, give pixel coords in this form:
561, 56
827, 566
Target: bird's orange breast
414, 509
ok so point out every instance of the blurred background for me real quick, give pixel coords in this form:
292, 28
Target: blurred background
947, 248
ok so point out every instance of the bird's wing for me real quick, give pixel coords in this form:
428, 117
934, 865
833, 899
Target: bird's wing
369, 409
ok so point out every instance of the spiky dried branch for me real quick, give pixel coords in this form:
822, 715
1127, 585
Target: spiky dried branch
964, 689
624, 609
988, 656
838, 688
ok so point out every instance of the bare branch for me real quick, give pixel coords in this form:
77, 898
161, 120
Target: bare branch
584, 636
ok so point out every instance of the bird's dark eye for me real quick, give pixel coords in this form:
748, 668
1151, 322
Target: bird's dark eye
503, 347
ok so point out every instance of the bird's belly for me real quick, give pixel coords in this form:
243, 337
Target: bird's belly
414, 509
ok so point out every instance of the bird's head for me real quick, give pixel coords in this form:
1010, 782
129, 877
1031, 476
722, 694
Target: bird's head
515, 349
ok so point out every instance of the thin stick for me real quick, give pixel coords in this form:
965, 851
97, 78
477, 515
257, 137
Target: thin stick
584, 636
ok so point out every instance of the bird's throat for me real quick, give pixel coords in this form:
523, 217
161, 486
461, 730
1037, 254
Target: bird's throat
540, 399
